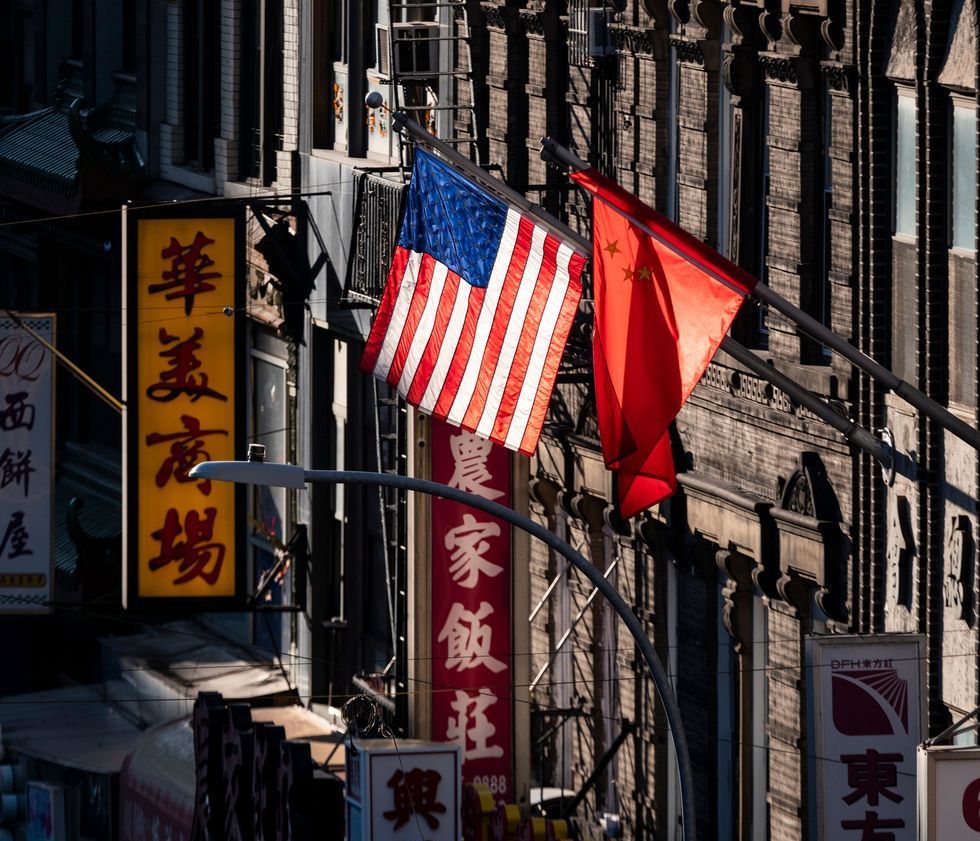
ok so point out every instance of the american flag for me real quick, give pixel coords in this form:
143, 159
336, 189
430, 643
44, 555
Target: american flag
477, 308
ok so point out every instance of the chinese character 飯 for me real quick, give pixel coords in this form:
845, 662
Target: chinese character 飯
468, 639
872, 774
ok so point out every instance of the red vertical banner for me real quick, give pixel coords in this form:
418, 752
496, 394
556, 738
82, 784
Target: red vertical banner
472, 669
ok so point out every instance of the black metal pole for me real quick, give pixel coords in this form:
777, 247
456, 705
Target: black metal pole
291, 476
552, 151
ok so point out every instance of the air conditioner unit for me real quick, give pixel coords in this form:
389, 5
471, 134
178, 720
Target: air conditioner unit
415, 48
600, 43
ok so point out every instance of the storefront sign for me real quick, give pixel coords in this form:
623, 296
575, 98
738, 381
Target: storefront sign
26, 465
868, 720
185, 404
949, 793
471, 609
403, 791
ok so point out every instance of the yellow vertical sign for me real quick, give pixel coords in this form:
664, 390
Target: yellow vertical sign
185, 399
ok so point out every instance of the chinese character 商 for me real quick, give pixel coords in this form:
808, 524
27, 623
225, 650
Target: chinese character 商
186, 450
186, 277
416, 793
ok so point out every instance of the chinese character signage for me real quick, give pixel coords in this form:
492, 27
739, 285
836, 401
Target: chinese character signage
868, 721
949, 793
471, 609
26, 465
184, 400
403, 791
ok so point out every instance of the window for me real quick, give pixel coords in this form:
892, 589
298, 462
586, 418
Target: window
268, 505
202, 63
673, 127
964, 187
905, 164
724, 154
262, 83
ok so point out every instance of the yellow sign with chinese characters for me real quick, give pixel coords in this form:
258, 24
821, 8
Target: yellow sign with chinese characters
185, 395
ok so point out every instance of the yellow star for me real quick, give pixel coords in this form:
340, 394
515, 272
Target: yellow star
627, 274
644, 273
612, 248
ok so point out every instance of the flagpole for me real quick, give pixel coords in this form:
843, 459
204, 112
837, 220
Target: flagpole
675, 723
552, 151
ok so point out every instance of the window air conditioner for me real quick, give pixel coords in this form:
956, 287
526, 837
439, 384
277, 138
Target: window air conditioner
415, 48
600, 43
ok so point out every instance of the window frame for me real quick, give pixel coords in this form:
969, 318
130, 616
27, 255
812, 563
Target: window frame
904, 93
961, 103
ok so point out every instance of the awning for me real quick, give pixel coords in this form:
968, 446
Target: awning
157, 785
160, 672
72, 727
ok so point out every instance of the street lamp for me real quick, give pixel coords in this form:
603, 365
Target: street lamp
257, 472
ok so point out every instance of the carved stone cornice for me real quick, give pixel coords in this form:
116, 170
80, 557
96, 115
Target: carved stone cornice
737, 593
838, 77
493, 16
779, 68
633, 40
532, 22
688, 52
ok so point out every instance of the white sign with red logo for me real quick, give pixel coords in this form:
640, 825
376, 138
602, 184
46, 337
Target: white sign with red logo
403, 791
868, 722
949, 793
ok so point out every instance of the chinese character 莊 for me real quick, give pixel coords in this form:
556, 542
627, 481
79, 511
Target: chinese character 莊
471, 725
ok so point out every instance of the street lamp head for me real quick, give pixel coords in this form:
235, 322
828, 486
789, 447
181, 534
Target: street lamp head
251, 473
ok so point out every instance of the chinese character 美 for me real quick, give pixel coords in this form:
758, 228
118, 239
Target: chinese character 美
871, 823
871, 774
415, 793
468, 639
472, 725
196, 557
186, 450
16, 469
179, 379
16, 535
18, 414
186, 276
468, 543
470, 456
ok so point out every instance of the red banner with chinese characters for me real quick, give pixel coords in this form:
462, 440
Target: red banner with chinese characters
184, 405
472, 667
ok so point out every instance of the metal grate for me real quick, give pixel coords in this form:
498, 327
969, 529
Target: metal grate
379, 203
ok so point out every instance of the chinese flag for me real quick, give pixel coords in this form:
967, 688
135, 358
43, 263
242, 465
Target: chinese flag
663, 303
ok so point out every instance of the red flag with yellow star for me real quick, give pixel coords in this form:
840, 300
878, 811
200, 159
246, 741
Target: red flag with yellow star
663, 303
